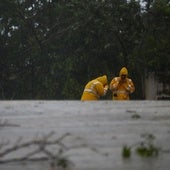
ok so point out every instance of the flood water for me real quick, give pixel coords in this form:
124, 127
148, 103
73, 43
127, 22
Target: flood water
94, 134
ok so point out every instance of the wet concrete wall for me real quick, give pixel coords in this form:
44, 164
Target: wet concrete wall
92, 135
157, 88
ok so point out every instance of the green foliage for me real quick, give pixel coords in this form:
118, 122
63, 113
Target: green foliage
126, 152
136, 116
147, 151
63, 162
50, 49
147, 148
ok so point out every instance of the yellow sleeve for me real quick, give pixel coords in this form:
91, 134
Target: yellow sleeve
100, 89
114, 84
130, 86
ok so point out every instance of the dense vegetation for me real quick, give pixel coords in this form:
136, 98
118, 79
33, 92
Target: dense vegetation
50, 48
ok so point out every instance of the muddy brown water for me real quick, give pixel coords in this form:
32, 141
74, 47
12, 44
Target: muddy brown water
95, 133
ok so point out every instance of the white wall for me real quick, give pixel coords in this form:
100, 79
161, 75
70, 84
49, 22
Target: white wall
154, 89
151, 86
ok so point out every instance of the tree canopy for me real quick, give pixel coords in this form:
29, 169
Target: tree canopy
51, 48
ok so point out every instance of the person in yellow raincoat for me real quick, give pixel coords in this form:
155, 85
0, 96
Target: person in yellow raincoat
96, 88
122, 86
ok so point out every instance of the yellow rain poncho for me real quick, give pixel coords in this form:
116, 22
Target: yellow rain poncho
94, 89
122, 86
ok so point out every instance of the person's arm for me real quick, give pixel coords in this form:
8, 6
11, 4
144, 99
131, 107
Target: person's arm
114, 84
130, 86
100, 89
106, 87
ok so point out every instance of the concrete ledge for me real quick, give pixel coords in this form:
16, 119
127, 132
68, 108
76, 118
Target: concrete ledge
96, 131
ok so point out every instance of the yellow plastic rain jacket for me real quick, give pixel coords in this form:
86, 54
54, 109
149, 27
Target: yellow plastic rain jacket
95, 89
122, 88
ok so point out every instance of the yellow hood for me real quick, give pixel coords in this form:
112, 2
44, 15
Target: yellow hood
102, 79
123, 71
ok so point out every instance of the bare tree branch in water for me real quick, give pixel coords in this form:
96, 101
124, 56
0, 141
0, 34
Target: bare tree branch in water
42, 149
37, 146
4, 123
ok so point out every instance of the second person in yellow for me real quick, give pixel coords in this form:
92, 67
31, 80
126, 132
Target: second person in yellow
122, 86
96, 88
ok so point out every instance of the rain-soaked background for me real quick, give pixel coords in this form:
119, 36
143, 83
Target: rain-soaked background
88, 135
